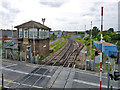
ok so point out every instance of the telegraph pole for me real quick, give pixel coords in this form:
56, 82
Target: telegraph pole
85, 30
85, 51
91, 42
101, 47
13, 52
33, 43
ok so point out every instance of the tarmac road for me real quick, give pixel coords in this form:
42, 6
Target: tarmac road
55, 77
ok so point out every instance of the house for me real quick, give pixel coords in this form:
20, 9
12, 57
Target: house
8, 35
57, 32
34, 38
107, 48
71, 32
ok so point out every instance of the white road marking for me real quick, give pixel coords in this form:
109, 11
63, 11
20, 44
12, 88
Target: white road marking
21, 84
10, 65
94, 74
25, 72
90, 83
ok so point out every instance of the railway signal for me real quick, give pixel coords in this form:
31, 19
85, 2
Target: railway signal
116, 75
96, 53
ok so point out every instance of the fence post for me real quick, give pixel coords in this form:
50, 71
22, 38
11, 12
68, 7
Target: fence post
20, 56
108, 75
25, 55
31, 57
2, 81
6, 54
119, 68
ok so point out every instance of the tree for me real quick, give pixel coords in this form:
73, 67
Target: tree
118, 45
107, 38
95, 32
111, 30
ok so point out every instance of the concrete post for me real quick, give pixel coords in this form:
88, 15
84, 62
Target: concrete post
25, 56
31, 57
85, 60
108, 75
6, 54
119, 68
21, 56
2, 81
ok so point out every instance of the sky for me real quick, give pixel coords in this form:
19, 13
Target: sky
67, 15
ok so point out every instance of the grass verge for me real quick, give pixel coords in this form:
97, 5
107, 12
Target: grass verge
58, 44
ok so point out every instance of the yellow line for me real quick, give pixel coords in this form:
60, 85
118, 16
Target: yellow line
7, 62
7, 80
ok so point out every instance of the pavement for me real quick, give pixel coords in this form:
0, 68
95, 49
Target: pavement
26, 75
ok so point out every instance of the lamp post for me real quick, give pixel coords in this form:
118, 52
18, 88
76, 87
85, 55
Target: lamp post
91, 42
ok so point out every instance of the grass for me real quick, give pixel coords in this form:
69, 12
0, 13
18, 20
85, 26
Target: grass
58, 44
55, 43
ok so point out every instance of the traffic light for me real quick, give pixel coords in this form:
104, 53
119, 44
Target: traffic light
116, 75
96, 53
111, 76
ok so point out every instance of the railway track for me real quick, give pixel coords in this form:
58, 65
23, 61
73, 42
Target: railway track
59, 58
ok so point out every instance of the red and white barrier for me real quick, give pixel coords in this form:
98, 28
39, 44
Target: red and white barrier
101, 47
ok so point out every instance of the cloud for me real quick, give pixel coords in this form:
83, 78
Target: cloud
53, 3
7, 6
7, 14
62, 19
59, 14
74, 22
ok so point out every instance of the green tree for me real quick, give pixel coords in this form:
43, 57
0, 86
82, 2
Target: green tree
95, 32
118, 45
107, 38
111, 30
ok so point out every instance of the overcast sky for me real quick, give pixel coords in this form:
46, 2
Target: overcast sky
59, 14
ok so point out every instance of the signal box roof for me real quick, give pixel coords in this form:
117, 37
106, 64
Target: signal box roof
30, 24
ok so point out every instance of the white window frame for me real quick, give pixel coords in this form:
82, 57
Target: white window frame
25, 30
20, 33
39, 33
30, 30
35, 32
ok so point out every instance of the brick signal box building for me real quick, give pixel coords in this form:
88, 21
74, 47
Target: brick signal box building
32, 36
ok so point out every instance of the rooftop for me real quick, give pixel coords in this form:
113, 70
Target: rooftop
30, 24
105, 43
